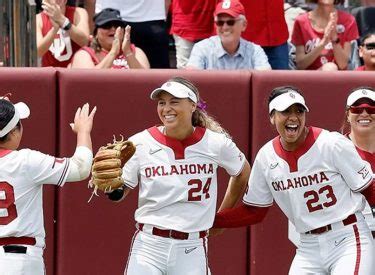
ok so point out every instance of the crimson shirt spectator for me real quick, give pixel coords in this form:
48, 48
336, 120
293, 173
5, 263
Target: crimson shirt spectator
192, 21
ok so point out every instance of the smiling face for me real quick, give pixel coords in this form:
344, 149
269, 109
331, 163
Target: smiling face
229, 28
362, 123
290, 124
175, 113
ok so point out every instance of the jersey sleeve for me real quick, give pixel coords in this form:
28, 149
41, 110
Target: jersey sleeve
356, 172
231, 158
130, 171
46, 169
258, 192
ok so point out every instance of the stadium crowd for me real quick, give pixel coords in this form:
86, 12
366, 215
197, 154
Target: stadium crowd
207, 34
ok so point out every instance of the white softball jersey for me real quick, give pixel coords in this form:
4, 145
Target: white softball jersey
315, 185
178, 179
22, 175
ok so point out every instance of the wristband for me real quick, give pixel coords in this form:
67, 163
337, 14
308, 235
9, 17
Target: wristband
67, 25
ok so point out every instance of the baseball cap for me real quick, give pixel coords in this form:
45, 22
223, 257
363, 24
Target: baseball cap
108, 15
21, 111
176, 89
233, 8
358, 94
285, 100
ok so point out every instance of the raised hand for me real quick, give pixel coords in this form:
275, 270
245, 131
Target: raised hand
83, 120
116, 44
126, 44
53, 10
333, 21
327, 37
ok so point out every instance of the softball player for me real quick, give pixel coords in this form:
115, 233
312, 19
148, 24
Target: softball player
22, 175
360, 116
175, 166
307, 172
359, 127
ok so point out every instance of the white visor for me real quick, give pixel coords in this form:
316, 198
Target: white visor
284, 101
358, 94
176, 89
21, 111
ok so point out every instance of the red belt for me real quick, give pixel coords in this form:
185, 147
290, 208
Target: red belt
17, 240
349, 220
173, 234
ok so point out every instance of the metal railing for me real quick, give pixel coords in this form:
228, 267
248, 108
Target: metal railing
18, 33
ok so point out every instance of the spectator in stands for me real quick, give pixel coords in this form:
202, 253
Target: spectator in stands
192, 21
147, 19
61, 30
228, 50
267, 28
111, 46
367, 52
323, 37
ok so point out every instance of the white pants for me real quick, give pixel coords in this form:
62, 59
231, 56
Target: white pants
340, 251
183, 50
154, 255
30, 263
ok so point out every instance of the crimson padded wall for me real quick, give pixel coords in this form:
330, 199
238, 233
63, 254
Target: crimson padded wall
94, 238
325, 94
37, 88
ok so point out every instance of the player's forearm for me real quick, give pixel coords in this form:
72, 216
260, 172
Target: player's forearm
84, 139
243, 215
80, 164
236, 188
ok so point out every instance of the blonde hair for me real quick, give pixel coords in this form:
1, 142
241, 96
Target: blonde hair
95, 42
200, 117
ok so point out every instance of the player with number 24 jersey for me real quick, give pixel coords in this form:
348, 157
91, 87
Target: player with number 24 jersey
173, 177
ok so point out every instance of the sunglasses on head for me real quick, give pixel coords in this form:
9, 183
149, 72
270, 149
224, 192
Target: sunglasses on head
109, 25
363, 107
229, 22
369, 46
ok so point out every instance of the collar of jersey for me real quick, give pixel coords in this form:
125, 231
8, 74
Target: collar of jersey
178, 146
